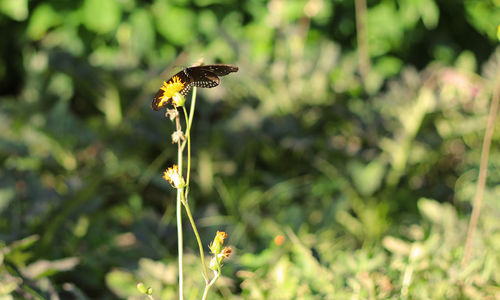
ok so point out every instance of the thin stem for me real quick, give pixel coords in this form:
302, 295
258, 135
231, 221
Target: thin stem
191, 111
483, 171
188, 138
188, 130
209, 285
189, 121
198, 239
191, 114
180, 195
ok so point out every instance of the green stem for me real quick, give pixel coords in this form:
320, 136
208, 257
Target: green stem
191, 111
180, 195
209, 285
198, 239
188, 138
182, 198
189, 121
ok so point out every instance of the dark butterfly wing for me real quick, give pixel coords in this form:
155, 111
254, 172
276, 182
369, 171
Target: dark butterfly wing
218, 69
156, 100
184, 78
202, 78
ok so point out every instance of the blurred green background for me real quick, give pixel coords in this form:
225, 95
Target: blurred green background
368, 170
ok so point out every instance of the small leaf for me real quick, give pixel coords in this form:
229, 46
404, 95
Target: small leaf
430, 13
367, 178
101, 16
44, 268
43, 18
175, 23
122, 283
430, 209
396, 245
16, 9
144, 289
142, 37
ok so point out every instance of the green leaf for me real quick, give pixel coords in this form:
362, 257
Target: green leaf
16, 9
122, 283
45, 268
430, 13
101, 16
43, 18
175, 23
142, 37
367, 178
443, 214
384, 30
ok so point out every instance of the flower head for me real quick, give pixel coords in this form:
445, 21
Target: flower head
279, 240
174, 177
170, 88
219, 253
226, 251
216, 244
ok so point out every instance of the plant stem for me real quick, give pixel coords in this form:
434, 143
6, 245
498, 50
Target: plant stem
198, 239
180, 195
188, 134
189, 121
188, 140
209, 285
483, 171
191, 110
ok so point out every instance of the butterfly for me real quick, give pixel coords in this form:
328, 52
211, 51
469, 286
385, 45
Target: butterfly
182, 82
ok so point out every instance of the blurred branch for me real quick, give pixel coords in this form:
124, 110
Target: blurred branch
362, 37
483, 171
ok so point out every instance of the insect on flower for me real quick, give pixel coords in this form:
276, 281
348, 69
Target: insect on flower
182, 82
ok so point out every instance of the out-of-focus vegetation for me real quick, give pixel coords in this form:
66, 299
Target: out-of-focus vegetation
370, 181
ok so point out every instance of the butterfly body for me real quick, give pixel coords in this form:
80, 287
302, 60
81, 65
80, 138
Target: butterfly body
182, 82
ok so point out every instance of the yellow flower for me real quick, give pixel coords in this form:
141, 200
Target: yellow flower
216, 244
174, 177
226, 252
219, 253
170, 88
221, 235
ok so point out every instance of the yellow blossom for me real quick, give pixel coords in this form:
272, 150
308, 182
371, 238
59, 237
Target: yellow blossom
170, 88
174, 177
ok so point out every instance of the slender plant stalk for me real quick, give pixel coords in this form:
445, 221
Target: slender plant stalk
184, 194
209, 285
179, 242
483, 172
188, 137
188, 140
182, 200
189, 121
180, 194
198, 239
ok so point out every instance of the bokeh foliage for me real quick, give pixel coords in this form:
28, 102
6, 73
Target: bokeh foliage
371, 183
